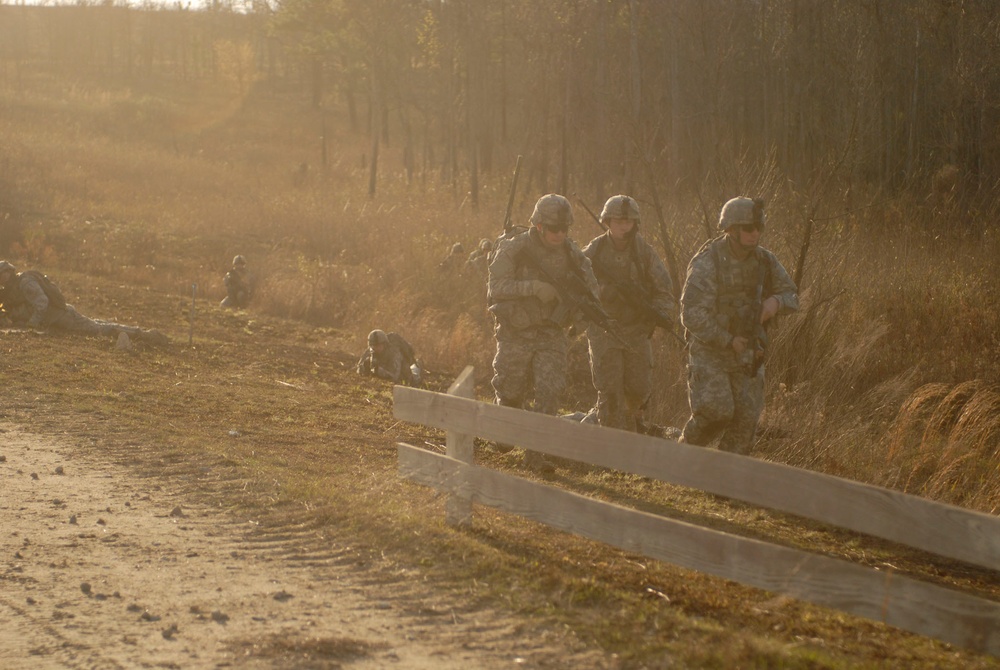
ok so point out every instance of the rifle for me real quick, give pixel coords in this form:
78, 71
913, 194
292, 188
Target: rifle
596, 218
574, 292
638, 298
753, 328
367, 365
508, 224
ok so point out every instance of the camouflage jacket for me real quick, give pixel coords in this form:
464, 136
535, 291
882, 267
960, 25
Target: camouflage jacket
512, 277
629, 279
720, 289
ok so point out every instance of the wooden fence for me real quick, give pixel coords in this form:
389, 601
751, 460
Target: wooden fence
947, 614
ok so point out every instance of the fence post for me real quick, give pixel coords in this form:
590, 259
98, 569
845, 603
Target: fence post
458, 508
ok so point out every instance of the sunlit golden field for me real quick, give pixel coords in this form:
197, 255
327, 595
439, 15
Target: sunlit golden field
135, 176
160, 183
157, 179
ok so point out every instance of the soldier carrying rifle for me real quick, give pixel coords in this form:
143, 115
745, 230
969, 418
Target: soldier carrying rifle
540, 284
636, 291
734, 287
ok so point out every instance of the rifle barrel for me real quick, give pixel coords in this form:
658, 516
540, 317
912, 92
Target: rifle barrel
510, 196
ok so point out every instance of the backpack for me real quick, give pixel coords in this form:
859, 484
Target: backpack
52, 291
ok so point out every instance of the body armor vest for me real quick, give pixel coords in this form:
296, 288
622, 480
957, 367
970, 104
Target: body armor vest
621, 269
736, 286
560, 266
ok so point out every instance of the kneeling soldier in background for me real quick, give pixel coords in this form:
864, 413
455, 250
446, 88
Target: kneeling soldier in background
389, 357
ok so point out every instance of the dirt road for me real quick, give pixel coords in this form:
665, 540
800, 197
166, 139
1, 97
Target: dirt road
106, 564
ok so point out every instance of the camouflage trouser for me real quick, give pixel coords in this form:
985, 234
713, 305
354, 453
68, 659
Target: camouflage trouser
623, 377
69, 319
535, 368
724, 399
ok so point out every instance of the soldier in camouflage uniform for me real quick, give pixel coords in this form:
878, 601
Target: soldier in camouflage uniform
634, 288
478, 262
390, 357
239, 285
455, 259
531, 321
30, 299
733, 288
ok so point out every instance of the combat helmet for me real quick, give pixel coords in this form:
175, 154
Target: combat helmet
742, 211
485, 245
552, 210
5, 265
377, 337
239, 261
620, 207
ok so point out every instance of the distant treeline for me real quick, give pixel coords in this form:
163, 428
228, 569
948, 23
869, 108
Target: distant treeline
600, 96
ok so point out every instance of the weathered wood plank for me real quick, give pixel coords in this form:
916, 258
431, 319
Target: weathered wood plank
942, 529
896, 600
458, 509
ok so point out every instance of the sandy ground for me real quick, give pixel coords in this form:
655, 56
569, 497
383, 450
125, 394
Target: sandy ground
104, 566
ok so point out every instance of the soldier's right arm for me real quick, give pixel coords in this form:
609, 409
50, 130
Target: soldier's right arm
661, 292
698, 303
365, 364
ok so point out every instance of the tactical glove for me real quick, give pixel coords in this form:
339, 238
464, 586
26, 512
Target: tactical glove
544, 291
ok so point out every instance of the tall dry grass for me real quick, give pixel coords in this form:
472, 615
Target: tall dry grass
161, 188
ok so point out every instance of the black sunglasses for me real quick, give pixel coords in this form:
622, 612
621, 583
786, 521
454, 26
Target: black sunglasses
749, 227
557, 228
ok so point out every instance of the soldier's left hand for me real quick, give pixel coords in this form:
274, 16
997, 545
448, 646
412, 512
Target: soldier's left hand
769, 309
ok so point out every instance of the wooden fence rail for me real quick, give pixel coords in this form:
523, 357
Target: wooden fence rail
959, 618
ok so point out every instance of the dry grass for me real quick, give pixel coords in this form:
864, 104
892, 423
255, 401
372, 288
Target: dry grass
316, 445
944, 444
128, 199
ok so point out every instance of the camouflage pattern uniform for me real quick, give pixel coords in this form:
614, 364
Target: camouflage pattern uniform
531, 334
32, 300
239, 285
716, 305
623, 368
392, 361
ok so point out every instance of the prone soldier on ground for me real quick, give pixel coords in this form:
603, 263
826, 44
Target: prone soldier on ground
239, 285
533, 310
390, 357
478, 263
454, 260
733, 289
636, 291
30, 299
